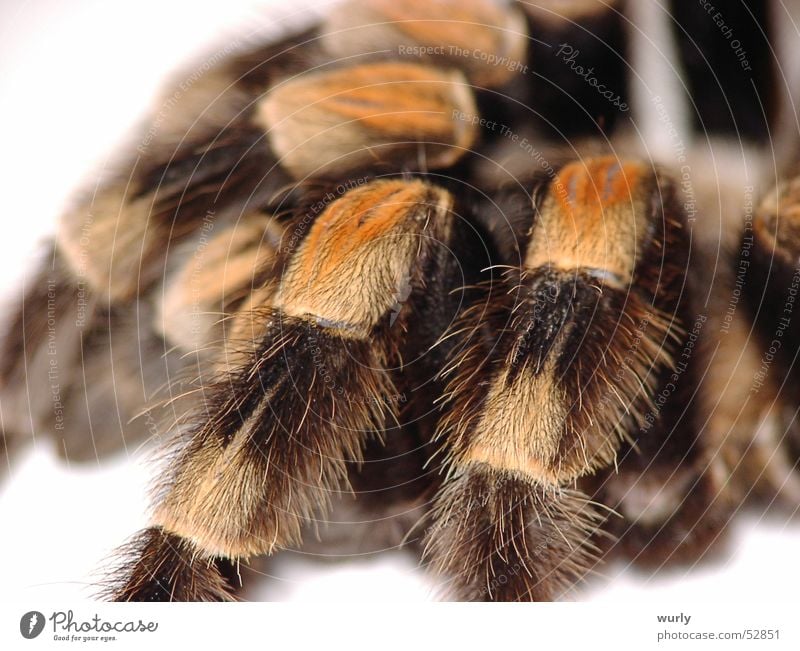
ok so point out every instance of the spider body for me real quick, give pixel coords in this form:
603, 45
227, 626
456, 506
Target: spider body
356, 260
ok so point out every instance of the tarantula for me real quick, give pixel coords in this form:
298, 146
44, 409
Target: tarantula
415, 254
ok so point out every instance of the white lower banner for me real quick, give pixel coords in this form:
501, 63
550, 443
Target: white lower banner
396, 626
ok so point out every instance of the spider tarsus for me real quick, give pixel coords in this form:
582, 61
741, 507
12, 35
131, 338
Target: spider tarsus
159, 566
496, 536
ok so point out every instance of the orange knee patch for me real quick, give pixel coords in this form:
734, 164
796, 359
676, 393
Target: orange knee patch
777, 222
332, 121
595, 216
484, 39
361, 252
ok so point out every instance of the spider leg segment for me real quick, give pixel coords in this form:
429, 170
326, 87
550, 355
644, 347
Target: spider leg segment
770, 250
272, 443
592, 335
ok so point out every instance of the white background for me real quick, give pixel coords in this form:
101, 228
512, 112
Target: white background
73, 77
